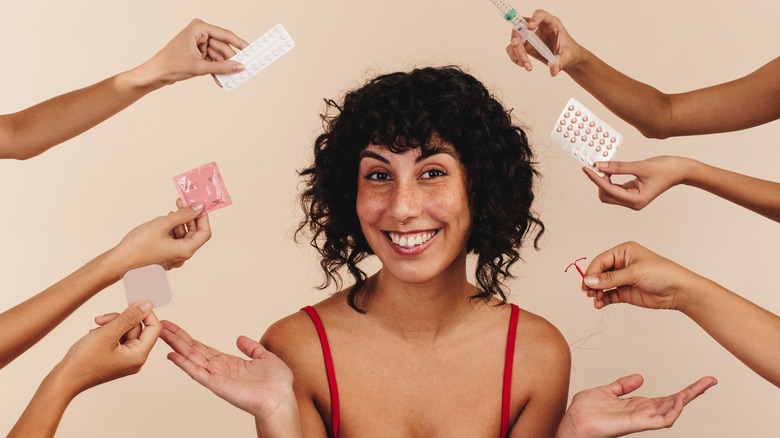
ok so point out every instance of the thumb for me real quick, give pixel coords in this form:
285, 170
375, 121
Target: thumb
250, 347
617, 167
626, 385
220, 67
131, 317
611, 279
184, 214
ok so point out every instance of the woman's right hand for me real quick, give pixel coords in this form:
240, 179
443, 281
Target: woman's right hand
171, 239
550, 30
260, 385
630, 273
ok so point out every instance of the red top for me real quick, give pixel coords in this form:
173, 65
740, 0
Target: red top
334, 390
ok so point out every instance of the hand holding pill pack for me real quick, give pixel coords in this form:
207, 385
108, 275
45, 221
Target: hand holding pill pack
260, 54
585, 136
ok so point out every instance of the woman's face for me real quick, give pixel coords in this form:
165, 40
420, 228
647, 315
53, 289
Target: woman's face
414, 210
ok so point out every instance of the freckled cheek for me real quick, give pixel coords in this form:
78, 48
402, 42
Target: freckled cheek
451, 207
369, 206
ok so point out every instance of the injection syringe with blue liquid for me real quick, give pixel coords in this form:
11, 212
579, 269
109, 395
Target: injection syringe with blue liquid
511, 15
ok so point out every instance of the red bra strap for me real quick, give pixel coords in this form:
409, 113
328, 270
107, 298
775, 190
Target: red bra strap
334, 390
506, 396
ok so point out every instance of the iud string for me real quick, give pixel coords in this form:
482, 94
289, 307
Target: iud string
603, 324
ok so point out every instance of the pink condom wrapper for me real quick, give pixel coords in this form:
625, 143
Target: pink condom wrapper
203, 184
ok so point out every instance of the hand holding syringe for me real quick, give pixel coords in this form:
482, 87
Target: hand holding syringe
511, 15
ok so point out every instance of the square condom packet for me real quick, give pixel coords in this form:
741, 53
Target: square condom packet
148, 282
203, 184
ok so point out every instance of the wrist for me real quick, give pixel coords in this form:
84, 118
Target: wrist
578, 65
59, 387
690, 171
689, 292
282, 421
142, 79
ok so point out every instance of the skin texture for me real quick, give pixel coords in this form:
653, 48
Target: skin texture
752, 100
199, 49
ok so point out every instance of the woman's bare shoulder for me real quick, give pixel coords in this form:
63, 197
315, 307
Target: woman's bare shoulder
294, 338
541, 340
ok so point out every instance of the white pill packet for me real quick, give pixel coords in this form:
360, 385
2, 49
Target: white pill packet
271, 46
585, 136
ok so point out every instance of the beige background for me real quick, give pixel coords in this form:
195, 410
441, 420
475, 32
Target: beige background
65, 207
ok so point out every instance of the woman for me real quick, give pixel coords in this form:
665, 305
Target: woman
420, 169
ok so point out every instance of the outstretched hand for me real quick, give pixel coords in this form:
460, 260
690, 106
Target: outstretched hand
260, 385
601, 412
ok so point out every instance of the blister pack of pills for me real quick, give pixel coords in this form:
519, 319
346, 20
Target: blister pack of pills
584, 136
203, 184
260, 54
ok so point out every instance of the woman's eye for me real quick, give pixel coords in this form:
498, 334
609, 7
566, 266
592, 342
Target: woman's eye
378, 176
433, 173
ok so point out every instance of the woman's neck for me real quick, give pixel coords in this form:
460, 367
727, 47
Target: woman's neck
424, 312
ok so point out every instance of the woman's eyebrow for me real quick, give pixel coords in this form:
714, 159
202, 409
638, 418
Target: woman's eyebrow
374, 155
437, 149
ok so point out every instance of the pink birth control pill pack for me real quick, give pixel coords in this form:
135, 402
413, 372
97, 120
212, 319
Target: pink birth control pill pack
203, 184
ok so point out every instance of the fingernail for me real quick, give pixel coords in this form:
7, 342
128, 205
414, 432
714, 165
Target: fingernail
591, 280
145, 305
602, 164
515, 42
238, 66
528, 66
197, 206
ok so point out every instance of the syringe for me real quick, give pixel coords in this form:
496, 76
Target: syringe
511, 15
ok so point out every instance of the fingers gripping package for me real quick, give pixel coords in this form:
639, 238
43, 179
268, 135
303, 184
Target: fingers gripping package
260, 54
203, 184
585, 136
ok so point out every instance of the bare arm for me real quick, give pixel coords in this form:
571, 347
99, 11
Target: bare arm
118, 349
749, 101
191, 53
645, 279
656, 175
544, 363
739, 104
25, 324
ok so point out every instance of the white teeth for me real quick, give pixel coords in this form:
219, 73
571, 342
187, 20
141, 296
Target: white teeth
410, 241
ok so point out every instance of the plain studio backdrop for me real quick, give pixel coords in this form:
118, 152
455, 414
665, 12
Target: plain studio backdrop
65, 207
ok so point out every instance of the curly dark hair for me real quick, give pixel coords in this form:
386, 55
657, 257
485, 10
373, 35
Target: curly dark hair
408, 110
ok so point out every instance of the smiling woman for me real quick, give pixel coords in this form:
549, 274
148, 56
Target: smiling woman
421, 169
